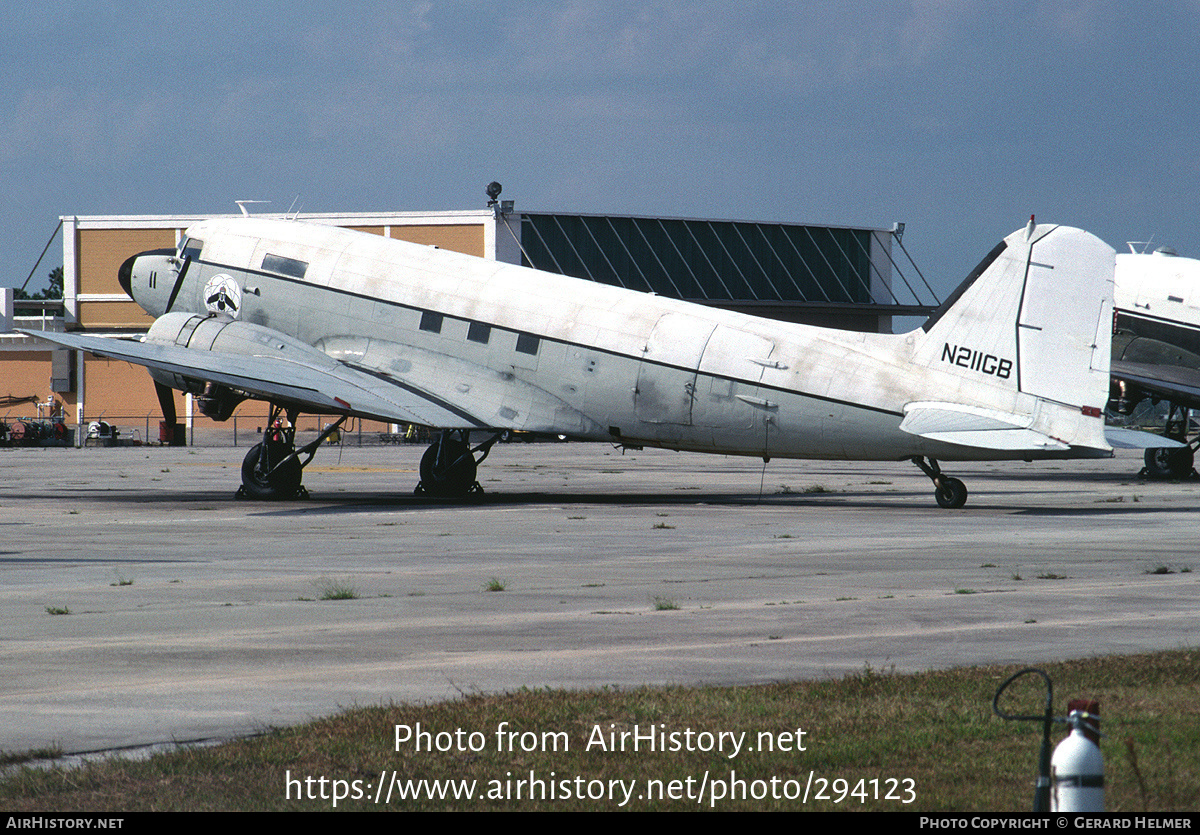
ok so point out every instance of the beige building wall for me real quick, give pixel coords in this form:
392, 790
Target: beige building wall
464, 239
26, 374
100, 253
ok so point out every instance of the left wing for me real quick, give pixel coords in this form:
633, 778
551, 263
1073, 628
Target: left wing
369, 378
286, 371
1178, 384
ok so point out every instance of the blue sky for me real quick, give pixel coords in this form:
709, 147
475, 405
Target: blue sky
959, 118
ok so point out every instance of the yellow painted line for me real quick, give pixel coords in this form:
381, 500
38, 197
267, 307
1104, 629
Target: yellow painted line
357, 469
309, 469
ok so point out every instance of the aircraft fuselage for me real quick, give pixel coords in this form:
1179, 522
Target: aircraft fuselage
507, 347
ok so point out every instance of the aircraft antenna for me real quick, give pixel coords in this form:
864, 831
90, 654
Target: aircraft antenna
295, 200
762, 479
241, 204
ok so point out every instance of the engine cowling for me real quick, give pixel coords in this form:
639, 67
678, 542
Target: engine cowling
222, 334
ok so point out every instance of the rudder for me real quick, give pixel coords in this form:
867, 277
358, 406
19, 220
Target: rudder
1029, 333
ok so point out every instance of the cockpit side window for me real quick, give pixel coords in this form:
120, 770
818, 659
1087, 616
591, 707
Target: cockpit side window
190, 248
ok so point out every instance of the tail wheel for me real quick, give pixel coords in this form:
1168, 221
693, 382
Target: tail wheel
950, 492
447, 469
262, 480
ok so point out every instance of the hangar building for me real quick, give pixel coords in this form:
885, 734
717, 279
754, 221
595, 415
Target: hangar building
827, 275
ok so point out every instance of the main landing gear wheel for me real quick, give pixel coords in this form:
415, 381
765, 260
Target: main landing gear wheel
448, 469
1173, 462
1176, 462
274, 467
949, 492
275, 474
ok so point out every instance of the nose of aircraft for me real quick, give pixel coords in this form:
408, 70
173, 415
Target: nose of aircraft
125, 275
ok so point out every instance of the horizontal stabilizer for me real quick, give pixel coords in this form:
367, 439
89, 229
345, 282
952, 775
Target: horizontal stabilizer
921, 418
955, 423
1014, 440
1134, 439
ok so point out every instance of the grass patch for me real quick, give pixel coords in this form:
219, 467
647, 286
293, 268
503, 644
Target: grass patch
1052, 576
1161, 569
663, 526
122, 580
664, 604
57, 610
495, 584
965, 591
935, 728
336, 589
20, 758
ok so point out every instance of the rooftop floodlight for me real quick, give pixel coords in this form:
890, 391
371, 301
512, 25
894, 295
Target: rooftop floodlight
493, 191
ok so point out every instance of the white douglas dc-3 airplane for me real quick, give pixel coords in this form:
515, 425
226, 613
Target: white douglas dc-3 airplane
313, 318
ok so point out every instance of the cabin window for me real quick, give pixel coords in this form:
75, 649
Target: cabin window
527, 343
284, 266
479, 332
431, 321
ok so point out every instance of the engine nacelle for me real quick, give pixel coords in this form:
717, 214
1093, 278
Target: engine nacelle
226, 335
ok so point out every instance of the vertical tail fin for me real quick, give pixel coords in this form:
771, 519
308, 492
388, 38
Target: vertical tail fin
1028, 334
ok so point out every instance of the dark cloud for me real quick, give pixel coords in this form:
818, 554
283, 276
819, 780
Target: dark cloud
958, 118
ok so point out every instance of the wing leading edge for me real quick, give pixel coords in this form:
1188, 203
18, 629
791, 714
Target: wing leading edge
310, 380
